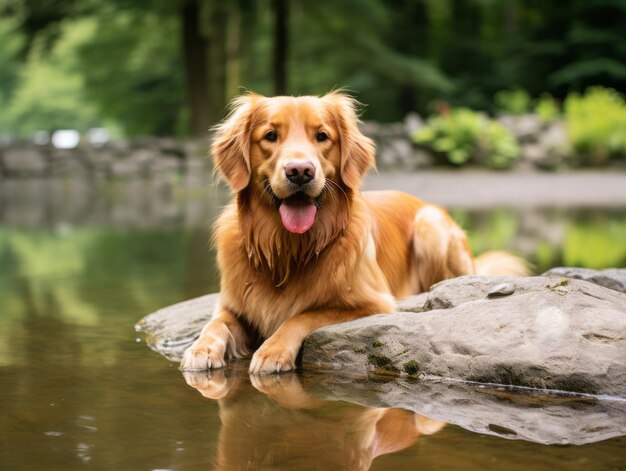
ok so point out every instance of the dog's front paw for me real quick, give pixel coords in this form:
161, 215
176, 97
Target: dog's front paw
203, 355
272, 358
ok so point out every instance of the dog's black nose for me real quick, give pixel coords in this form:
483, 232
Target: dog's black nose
300, 172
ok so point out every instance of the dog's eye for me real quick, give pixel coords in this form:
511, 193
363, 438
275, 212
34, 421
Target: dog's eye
271, 136
321, 136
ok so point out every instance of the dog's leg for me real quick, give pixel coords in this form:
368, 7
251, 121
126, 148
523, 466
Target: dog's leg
279, 352
440, 249
223, 334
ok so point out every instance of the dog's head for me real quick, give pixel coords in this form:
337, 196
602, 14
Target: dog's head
294, 150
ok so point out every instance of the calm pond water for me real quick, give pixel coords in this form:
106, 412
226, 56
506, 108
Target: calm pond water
80, 389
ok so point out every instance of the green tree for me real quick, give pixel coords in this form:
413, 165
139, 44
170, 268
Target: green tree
12, 42
169, 67
48, 91
139, 83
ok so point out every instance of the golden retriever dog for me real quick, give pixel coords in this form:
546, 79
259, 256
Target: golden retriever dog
301, 247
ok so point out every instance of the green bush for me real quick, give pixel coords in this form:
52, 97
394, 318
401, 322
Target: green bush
515, 101
464, 136
518, 101
596, 124
547, 108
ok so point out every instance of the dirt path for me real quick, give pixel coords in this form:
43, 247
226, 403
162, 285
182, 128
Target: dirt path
483, 189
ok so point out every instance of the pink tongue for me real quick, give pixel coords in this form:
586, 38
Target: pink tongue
297, 217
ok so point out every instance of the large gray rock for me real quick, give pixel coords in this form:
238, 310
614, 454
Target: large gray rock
612, 278
172, 329
539, 332
559, 334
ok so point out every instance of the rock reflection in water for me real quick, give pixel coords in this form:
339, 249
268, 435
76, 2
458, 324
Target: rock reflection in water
536, 416
274, 422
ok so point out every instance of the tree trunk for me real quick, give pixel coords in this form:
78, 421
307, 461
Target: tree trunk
247, 34
281, 42
511, 17
233, 52
194, 54
218, 20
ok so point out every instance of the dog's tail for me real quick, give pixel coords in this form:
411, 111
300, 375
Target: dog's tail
502, 263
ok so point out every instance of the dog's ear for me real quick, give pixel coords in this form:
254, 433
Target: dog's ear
357, 151
231, 145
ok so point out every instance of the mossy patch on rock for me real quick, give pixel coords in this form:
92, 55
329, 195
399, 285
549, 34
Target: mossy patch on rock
558, 286
411, 367
381, 362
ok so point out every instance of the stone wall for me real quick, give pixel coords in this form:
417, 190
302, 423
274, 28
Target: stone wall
544, 145
141, 157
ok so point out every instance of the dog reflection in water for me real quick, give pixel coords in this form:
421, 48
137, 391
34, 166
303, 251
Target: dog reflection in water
271, 422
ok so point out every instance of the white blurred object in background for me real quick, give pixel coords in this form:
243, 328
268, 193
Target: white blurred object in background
65, 138
98, 136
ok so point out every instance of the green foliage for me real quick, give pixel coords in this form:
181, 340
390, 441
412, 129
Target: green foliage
546, 256
89, 261
514, 102
12, 42
488, 230
547, 108
596, 244
377, 56
396, 56
464, 136
586, 69
596, 124
49, 92
519, 101
592, 238
124, 72
144, 90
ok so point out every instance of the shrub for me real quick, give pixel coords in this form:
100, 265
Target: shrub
515, 101
596, 124
547, 108
464, 136
518, 102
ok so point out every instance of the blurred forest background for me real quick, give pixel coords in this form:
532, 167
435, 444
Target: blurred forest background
164, 67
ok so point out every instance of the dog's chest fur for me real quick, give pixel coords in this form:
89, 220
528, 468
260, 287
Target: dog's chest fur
333, 279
